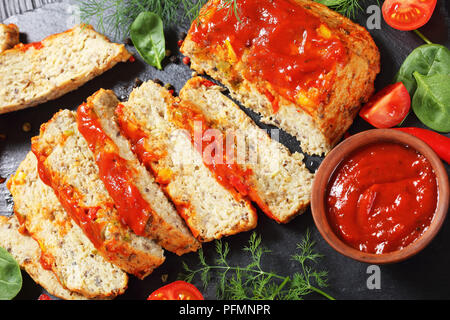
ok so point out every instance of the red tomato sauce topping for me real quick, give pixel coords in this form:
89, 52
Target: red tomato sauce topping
137, 138
382, 197
281, 43
133, 209
67, 195
227, 172
46, 260
24, 47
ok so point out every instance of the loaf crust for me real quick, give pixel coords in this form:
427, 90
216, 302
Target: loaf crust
35, 73
317, 127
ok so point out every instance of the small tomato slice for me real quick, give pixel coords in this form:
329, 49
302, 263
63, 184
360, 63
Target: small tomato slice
407, 14
388, 107
178, 290
44, 297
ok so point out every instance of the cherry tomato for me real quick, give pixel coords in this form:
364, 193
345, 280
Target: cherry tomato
186, 60
44, 297
407, 14
388, 107
178, 290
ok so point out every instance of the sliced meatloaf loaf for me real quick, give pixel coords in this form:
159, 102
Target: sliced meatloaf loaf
65, 249
276, 180
37, 72
139, 199
9, 36
302, 66
66, 163
27, 254
209, 209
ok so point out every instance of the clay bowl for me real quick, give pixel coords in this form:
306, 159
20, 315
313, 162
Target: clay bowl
332, 161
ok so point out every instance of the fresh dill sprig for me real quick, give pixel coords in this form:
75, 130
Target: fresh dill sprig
192, 8
232, 7
347, 8
116, 16
251, 282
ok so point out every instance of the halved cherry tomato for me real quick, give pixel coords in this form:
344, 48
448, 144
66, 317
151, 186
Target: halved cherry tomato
44, 297
388, 107
178, 290
407, 14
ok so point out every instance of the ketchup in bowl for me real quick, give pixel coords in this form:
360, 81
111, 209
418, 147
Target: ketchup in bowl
382, 197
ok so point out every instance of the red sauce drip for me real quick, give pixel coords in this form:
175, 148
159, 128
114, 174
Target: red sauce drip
273, 101
24, 47
46, 261
207, 83
114, 172
382, 198
84, 217
227, 172
279, 41
137, 139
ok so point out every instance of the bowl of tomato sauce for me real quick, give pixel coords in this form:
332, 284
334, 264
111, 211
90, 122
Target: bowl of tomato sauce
380, 196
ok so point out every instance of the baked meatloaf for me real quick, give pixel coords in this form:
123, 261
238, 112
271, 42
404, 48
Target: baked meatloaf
257, 166
138, 198
27, 253
210, 209
41, 71
65, 250
302, 66
67, 165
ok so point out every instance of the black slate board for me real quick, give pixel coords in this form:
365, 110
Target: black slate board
424, 276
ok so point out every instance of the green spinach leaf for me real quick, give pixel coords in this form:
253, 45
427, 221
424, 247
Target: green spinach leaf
147, 34
431, 102
10, 276
429, 59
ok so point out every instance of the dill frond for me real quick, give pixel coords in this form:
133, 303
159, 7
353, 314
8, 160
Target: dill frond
232, 7
116, 16
192, 9
251, 282
347, 8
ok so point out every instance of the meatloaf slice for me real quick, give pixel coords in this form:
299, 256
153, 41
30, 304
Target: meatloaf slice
139, 200
38, 72
277, 180
66, 163
210, 210
65, 249
302, 66
27, 254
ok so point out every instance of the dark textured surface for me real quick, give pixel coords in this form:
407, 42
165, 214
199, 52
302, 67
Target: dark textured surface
424, 276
